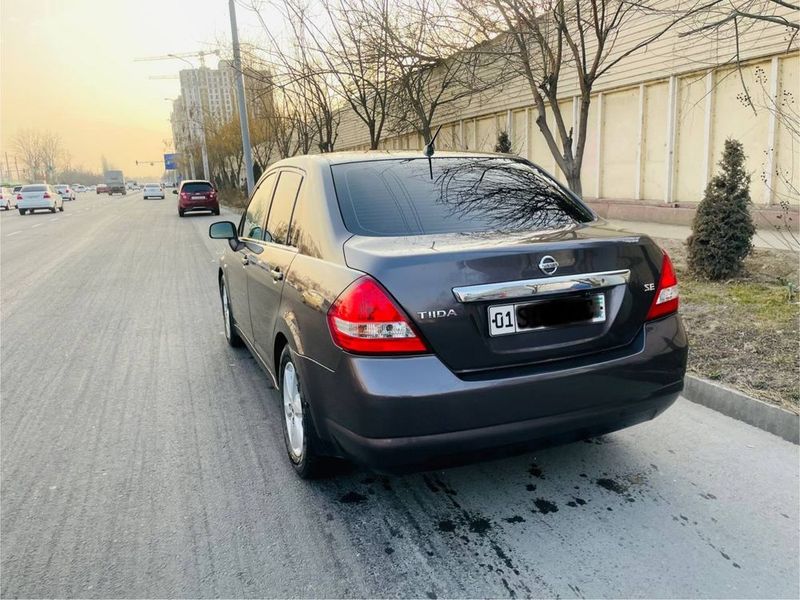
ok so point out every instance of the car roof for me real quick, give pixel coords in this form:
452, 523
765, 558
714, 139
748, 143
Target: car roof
335, 158
185, 181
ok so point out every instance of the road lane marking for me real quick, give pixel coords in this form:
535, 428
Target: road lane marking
37, 225
15, 233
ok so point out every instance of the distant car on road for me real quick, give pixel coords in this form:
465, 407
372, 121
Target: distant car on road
39, 196
101, 188
79, 188
197, 195
152, 190
66, 192
8, 198
411, 308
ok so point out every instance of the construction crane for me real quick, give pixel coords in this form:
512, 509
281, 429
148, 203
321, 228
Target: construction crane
201, 54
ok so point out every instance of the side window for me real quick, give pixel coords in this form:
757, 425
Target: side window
253, 219
280, 215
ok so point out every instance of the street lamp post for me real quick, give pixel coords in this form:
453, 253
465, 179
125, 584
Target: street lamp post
243, 122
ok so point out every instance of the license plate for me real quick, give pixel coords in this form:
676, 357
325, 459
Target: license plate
198, 197
530, 316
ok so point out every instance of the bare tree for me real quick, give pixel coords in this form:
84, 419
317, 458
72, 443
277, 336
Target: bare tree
301, 74
356, 57
547, 39
42, 153
434, 61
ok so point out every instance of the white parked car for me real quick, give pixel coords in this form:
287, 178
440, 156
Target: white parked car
8, 198
79, 188
38, 196
66, 192
153, 190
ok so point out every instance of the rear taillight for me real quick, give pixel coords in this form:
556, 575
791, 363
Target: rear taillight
666, 299
365, 320
46, 195
19, 196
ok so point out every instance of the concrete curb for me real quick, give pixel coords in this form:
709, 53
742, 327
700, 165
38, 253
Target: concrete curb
739, 406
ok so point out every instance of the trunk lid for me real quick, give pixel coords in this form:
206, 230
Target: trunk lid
422, 271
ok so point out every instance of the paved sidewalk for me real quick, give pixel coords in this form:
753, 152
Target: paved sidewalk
764, 237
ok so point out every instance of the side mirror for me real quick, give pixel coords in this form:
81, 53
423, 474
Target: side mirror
222, 230
174, 191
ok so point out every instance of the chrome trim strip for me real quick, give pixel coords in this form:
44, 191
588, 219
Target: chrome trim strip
544, 286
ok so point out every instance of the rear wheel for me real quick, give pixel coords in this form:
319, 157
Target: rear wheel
231, 335
298, 429
61, 208
215, 211
180, 212
53, 209
22, 211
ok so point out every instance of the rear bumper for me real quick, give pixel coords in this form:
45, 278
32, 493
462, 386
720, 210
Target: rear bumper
189, 206
29, 204
395, 412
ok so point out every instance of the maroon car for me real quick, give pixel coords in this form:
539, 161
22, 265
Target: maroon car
197, 194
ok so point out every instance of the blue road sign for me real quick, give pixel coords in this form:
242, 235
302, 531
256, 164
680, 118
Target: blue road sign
170, 161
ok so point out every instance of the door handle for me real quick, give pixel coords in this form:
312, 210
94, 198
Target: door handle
276, 274
246, 260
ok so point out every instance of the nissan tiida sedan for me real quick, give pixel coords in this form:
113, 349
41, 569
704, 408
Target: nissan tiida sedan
410, 308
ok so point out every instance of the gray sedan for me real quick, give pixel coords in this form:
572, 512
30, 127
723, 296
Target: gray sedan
415, 309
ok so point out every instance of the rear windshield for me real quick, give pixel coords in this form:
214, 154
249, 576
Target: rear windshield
194, 188
400, 197
34, 188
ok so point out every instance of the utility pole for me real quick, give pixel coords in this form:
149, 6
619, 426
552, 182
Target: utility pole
243, 122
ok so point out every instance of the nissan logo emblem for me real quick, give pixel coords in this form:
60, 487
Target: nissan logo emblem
548, 265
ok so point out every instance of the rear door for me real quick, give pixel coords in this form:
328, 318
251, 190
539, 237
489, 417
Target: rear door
267, 272
237, 263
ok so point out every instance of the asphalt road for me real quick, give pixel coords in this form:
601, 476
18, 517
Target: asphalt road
142, 457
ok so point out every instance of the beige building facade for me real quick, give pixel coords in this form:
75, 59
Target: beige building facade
658, 120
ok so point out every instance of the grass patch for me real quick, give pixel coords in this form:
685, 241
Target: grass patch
235, 199
745, 332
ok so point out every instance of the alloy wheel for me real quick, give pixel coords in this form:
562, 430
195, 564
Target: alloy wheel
293, 411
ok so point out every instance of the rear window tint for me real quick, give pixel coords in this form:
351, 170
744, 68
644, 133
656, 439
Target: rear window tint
195, 188
399, 197
34, 188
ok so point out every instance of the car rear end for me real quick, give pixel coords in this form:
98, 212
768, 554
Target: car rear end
65, 192
492, 310
36, 196
7, 198
197, 196
152, 190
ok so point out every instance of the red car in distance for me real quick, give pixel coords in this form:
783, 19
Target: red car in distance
195, 195
102, 188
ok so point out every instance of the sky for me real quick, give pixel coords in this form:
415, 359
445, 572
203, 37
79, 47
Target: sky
67, 66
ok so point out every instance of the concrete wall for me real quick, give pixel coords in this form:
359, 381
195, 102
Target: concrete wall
657, 123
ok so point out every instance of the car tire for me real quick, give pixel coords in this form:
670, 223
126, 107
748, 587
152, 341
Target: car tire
61, 208
231, 335
22, 211
298, 427
180, 212
53, 210
215, 212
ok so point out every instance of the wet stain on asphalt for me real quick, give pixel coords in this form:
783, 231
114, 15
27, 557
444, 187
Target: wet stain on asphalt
545, 506
353, 498
479, 525
447, 526
611, 485
536, 471
530, 487
514, 519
